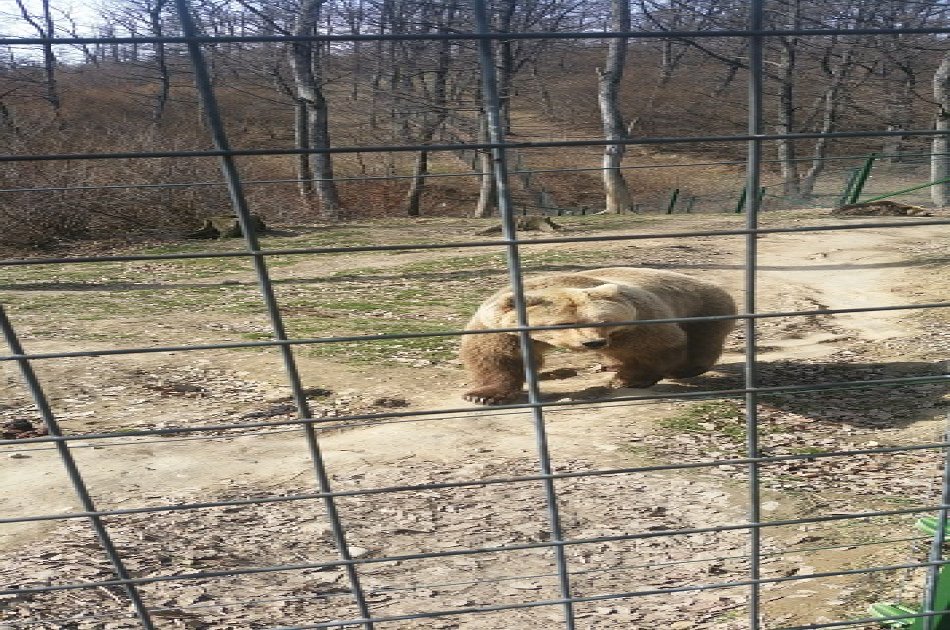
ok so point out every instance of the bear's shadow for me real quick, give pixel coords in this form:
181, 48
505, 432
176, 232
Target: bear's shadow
875, 405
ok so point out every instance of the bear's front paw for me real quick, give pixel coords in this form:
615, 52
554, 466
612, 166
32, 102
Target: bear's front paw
638, 382
489, 395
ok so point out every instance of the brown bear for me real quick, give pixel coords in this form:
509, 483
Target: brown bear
642, 354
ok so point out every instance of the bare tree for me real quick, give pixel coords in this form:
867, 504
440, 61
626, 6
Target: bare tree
45, 26
940, 160
830, 103
154, 9
433, 85
305, 61
615, 186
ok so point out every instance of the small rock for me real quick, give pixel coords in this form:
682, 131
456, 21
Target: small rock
20, 424
358, 552
391, 403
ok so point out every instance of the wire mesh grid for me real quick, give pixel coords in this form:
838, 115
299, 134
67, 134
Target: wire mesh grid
544, 486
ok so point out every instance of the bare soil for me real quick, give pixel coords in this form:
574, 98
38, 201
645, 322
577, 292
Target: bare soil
130, 305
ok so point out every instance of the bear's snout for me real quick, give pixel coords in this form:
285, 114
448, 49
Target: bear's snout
593, 344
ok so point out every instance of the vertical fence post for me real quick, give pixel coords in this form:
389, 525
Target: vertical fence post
672, 204
690, 203
862, 178
76, 479
848, 187
741, 203
496, 135
753, 184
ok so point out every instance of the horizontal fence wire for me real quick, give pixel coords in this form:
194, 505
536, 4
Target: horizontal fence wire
406, 148
471, 244
456, 333
473, 551
620, 568
472, 174
780, 389
540, 410
473, 36
503, 481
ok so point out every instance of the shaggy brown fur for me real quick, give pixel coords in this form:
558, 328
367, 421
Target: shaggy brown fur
641, 354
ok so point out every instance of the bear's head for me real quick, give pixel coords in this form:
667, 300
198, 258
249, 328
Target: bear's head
564, 306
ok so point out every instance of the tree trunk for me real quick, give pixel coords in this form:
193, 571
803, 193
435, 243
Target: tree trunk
418, 184
786, 105
615, 186
305, 61
487, 195
506, 66
302, 141
786, 122
164, 80
898, 105
831, 102
45, 27
940, 161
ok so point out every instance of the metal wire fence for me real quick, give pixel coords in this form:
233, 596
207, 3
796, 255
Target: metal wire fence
130, 588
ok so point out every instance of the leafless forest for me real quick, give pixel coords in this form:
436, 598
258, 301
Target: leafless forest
361, 133
130, 96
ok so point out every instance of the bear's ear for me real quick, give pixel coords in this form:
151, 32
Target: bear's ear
507, 303
604, 291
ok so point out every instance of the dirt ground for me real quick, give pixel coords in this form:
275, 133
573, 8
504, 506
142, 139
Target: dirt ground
114, 394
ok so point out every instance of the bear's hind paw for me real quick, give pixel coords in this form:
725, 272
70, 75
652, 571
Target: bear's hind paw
489, 396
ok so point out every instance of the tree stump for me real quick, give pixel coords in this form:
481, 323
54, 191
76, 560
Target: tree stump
227, 227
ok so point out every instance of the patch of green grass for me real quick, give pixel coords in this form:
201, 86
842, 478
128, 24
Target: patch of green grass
323, 237
722, 416
403, 350
99, 305
692, 418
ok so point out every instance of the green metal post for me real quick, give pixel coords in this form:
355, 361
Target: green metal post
741, 203
672, 204
941, 602
848, 187
862, 178
690, 203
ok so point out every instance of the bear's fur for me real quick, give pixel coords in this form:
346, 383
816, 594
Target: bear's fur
642, 354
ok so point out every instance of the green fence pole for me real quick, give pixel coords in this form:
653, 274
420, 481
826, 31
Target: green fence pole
862, 178
690, 203
741, 203
848, 187
672, 204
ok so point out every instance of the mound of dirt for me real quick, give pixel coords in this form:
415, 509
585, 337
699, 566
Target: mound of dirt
883, 208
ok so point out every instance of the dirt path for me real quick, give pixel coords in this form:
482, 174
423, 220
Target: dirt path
797, 272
